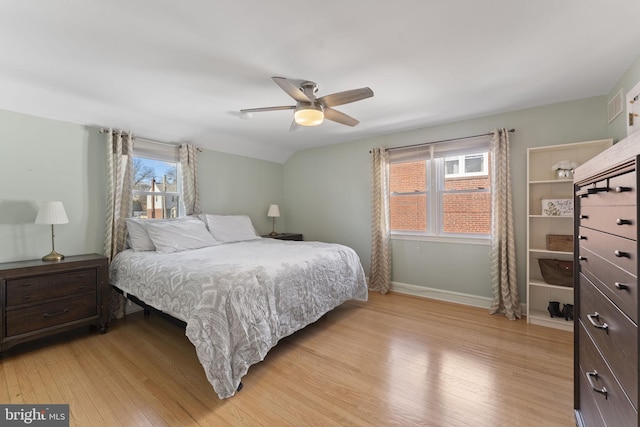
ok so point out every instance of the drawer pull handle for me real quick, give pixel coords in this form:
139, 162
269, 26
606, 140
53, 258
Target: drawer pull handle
621, 221
595, 319
622, 189
584, 216
621, 286
583, 195
590, 377
621, 254
26, 297
596, 190
581, 237
57, 313
27, 284
582, 258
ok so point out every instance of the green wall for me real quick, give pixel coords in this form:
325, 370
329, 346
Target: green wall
42, 159
327, 193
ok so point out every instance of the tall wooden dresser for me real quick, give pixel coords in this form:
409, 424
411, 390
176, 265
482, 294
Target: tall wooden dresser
606, 287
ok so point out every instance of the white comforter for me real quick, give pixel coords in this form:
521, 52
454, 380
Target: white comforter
239, 299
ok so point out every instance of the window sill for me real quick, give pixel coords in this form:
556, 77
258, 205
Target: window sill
442, 239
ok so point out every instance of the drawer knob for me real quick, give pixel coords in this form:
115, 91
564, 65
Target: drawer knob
621, 286
594, 319
622, 189
581, 237
621, 221
582, 216
621, 254
590, 377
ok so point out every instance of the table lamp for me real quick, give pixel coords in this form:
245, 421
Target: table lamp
274, 212
52, 213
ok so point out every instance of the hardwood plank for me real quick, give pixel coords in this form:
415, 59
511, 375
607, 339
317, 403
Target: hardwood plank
394, 360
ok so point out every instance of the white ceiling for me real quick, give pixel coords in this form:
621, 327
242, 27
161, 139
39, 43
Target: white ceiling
180, 70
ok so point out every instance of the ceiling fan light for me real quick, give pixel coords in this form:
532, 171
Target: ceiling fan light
309, 116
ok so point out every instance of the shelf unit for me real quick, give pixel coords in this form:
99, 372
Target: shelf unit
542, 184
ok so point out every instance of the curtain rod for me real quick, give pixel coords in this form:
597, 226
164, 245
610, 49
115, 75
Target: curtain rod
443, 140
155, 141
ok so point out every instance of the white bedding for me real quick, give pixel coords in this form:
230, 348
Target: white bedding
239, 299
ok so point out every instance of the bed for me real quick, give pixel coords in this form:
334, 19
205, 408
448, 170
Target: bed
238, 298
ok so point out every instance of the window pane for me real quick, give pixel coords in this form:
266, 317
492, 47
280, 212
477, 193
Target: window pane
467, 213
156, 207
148, 173
452, 164
408, 212
474, 163
408, 177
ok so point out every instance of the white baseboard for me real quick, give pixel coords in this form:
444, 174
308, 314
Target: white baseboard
442, 295
449, 296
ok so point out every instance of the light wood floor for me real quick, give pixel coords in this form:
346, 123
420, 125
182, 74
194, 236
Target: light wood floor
395, 360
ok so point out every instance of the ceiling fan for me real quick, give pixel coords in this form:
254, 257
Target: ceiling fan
311, 111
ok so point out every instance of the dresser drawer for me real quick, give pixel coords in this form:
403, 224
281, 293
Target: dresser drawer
620, 286
50, 314
597, 381
617, 250
613, 333
619, 190
618, 220
45, 287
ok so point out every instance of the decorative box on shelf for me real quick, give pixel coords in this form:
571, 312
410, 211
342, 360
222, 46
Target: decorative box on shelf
557, 207
560, 242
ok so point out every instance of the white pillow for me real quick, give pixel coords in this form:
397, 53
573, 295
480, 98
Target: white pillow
174, 236
231, 228
139, 240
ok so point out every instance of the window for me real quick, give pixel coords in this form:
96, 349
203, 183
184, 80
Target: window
441, 189
157, 187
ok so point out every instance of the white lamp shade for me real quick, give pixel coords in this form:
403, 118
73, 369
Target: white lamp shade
52, 213
274, 211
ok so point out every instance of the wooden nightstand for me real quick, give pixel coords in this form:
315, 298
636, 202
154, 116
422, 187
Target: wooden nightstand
286, 236
39, 298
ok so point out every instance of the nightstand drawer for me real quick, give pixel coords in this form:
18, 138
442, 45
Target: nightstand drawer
50, 314
39, 288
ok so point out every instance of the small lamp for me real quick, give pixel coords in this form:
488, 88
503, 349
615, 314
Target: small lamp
52, 213
274, 212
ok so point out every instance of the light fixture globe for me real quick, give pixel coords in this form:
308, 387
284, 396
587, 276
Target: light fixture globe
309, 114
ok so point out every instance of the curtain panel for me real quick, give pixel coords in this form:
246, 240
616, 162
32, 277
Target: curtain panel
189, 166
119, 202
380, 274
503, 254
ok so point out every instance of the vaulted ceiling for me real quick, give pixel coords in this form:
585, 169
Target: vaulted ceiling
181, 70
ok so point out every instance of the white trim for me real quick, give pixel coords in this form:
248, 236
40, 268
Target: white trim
482, 239
444, 295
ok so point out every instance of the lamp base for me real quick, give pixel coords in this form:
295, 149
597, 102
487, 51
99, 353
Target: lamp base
53, 256
273, 233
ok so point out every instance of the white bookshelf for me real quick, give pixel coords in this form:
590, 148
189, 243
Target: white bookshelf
542, 184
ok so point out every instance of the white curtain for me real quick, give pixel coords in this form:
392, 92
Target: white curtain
189, 165
503, 253
119, 202
380, 274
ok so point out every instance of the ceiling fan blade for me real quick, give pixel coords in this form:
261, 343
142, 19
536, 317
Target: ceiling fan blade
256, 110
338, 117
345, 97
291, 89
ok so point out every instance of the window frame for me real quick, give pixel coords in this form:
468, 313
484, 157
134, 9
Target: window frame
435, 187
163, 153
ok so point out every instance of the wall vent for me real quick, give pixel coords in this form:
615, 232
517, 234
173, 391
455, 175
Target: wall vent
615, 106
